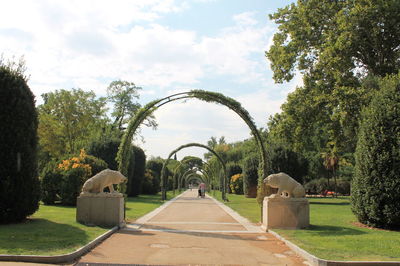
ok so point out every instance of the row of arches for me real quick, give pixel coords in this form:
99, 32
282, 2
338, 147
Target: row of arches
207, 96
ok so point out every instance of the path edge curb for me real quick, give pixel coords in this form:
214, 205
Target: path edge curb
60, 258
322, 262
75, 254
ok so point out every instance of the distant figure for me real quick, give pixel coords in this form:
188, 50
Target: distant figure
202, 189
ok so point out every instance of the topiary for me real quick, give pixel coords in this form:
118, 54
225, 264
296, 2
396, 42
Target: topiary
136, 177
151, 183
375, 194
250, 176
106, 150
19, 182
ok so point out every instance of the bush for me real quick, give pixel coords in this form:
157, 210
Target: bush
318, 186
19, 182
135, 178
64, 181
375, 192
71, 185
289, 162
231, 170
237, 184
250, 176
151, 183
51, 178
106, 150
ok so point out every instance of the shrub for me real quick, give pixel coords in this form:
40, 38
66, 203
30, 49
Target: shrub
71, 185
135, 177
51, 178
19, 182
289, 162
250, 176
375, 192
318, 186
237, 184
151, 183
106, 150
231, 170
64, 181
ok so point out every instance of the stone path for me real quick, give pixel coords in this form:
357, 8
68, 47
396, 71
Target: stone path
191, 230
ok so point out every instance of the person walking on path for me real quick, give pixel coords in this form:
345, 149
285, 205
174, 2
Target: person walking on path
202, 188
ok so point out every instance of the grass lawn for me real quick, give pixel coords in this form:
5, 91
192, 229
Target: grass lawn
52, 230
333, 234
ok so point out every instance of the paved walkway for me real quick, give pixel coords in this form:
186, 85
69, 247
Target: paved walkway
191, 230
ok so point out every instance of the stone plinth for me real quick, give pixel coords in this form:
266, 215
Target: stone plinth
101, 209
288, 213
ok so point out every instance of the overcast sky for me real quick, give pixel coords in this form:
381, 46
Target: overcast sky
163, 46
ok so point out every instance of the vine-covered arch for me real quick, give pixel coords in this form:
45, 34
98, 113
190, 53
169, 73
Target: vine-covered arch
175, 171
163, 170
207, 96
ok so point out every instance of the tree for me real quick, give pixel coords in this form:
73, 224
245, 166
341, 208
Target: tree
68, 120
19, 183
337, 46
375, 193
123, 95
135, 179
192, 162
250, 176
106, 150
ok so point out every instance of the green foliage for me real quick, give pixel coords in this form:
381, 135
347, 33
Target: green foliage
143, 113
289, 162
236, 184
51, 178
69, 120
376, 184
106, 150
63, 182
19, 183
250, 176
135, 178
151, 182
71, 185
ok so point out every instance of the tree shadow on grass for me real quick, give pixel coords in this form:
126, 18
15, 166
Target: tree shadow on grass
40, 237
329, 203
328, 230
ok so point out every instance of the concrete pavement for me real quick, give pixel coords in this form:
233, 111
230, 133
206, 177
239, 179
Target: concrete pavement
191, 230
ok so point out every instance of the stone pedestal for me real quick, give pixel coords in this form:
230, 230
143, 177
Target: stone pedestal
288, 213
101, 209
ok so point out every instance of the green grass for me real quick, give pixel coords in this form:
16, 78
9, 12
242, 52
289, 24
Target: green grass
332, 234
53, 230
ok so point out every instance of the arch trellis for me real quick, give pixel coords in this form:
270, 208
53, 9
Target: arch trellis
181, 163
163, 170
207, 96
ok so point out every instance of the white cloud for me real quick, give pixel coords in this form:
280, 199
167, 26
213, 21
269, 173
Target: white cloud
87, 44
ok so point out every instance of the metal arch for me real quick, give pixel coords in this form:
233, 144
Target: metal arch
136, 121
163, 185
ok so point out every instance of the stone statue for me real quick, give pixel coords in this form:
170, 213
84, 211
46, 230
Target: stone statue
287, 186
105, 178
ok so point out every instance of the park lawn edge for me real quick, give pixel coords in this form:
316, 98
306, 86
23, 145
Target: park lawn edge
332, 235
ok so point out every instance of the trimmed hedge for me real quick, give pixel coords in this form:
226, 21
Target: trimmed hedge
250, 176
19, 182
376, 184
136, 177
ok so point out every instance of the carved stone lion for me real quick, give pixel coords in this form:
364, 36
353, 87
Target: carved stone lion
287, 186
105, 178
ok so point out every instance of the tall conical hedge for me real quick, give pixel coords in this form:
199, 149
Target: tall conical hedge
19, 182
376, 183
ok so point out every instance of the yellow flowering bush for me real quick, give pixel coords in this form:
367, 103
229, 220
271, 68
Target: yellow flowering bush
237, 184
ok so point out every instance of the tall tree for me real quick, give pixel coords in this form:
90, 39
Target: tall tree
69, 119
124, 96
337, 46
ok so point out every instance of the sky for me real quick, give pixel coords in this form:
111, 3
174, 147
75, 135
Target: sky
164, 47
